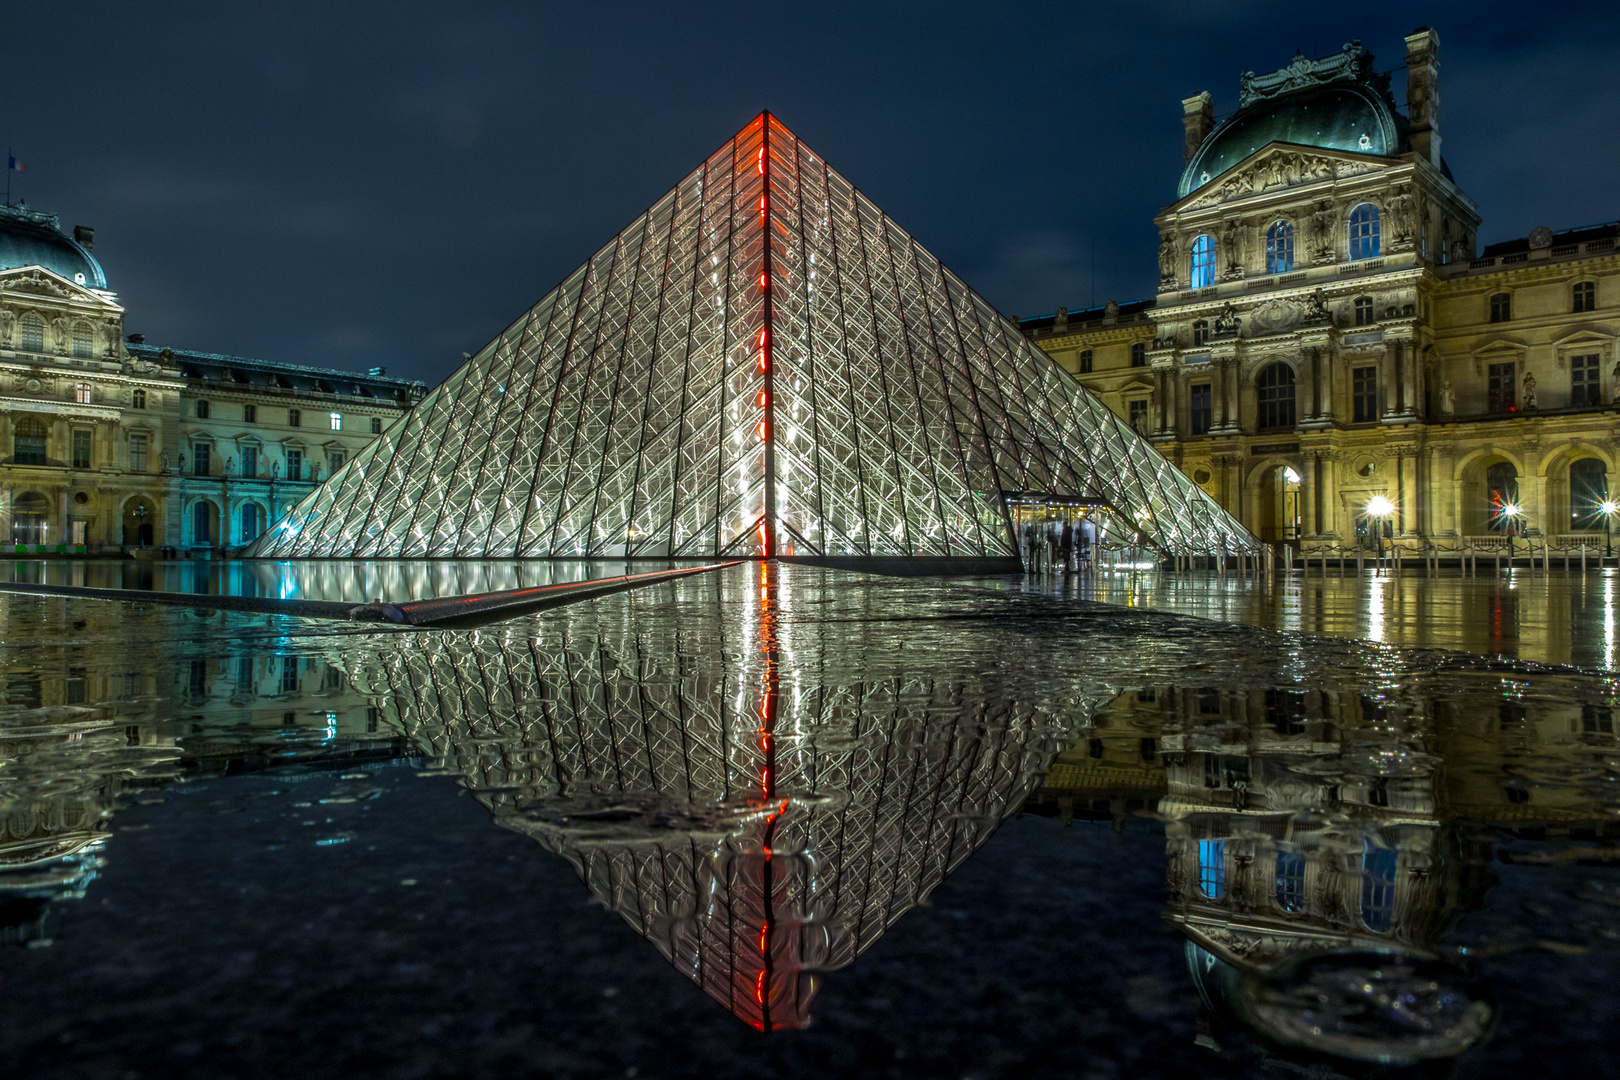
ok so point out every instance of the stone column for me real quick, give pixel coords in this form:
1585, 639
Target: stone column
1160, 383
1307, 495
1408, 377
1218, 396
1172, 384
1386, 378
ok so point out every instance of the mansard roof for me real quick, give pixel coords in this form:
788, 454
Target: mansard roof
245, 373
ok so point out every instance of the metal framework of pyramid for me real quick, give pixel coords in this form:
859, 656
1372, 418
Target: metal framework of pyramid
762, 364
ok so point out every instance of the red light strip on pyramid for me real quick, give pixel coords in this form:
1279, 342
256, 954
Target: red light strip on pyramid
766, 429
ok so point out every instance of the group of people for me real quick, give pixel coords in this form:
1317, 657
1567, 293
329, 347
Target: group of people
1053, 547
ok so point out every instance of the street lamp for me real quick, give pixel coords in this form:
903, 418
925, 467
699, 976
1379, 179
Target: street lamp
1379, 508
1511, 511
1607, 507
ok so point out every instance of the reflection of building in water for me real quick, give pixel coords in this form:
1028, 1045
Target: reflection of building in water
749, 801
1111, 774
84, 727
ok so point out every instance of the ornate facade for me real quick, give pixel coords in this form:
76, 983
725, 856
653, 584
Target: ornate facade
107, 444
1326, 332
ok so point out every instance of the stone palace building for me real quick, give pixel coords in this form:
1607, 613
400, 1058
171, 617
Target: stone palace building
109, 444
1327, 331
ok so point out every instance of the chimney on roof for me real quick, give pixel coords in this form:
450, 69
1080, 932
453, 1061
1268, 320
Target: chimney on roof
1423, 92
85, 237
1197, 120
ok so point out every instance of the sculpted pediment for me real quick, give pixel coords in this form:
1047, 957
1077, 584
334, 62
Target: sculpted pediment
1276, 166
36, 281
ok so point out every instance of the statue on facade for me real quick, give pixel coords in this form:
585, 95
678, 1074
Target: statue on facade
1400, 216
1227, 322
1529, 400
1448, 398
1111, 310
1316, 309
59, 334
163, 461
7, 322
1167, 260
1322, 230
1232, 245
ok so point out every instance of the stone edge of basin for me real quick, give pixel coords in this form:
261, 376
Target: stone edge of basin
449, 611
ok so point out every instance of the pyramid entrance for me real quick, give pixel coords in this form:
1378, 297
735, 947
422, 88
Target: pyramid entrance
762, 365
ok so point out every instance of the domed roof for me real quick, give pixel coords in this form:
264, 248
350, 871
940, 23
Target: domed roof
1337, 116
29, 238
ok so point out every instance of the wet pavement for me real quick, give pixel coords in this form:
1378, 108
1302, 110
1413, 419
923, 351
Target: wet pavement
790, 822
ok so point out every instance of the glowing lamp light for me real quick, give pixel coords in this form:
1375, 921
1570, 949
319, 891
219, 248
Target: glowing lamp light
1609, 507
1511, 510
1291, 476
1379, 506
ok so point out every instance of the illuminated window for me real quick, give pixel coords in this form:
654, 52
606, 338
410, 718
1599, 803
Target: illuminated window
1364, 311
1377, 886
1139, 354
1280, 248
1212, 868
1203, 262
1290, 881
1583, 380
1274, 394
337, 421
84, 342
1583, 297
1364, 232
81, 393
1501, 307
31, 333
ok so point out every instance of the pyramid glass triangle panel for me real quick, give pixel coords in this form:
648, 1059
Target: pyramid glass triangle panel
762, 364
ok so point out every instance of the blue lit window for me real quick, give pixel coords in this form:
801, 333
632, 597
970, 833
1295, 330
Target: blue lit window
1212, 868
1290, 881
1280, 248
1203, 262
1364, 232
1377, 886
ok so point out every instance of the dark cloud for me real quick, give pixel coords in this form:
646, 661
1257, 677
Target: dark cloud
365, 184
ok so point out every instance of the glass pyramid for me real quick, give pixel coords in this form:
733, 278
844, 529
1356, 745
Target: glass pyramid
762, 364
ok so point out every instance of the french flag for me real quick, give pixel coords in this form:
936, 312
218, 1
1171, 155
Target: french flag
14, 165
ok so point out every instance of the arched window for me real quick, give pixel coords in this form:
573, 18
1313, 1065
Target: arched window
1502, 491
84, 342
1501, 307
1274, 395
252, 522
1583, 297
31, 333
1290, 881
1588, 491
1200, 333
1364, 232
1280, 248
1203, 262
1377, 886
29, 519
1364, 311
28, 441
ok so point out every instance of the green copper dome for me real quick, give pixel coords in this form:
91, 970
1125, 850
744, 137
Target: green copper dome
1336, 116
30, 238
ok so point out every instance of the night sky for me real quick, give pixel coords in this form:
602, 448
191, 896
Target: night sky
391, 184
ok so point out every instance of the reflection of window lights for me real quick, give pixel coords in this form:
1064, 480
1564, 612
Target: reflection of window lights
1377, 886
1212, 868
1290, 881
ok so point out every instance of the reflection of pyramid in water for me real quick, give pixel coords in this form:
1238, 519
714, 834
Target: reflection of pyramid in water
693, 390
647, 767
